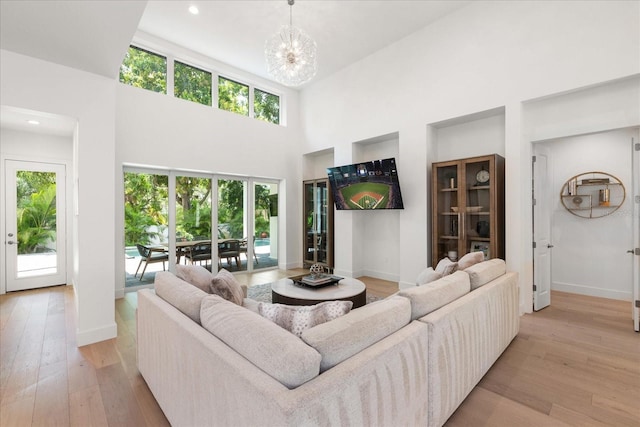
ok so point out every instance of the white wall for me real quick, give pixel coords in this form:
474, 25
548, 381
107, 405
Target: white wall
42, 86
162, 131
485, 56
589, 255
22, 145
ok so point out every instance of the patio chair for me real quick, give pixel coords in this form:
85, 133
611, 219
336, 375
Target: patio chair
244, 246
229, 249
200, 252
149, 256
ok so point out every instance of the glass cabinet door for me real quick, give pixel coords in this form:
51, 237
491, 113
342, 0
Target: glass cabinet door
448, 211
318, 227
478, 206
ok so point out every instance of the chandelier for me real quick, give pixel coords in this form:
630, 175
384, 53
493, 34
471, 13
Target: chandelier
291, 54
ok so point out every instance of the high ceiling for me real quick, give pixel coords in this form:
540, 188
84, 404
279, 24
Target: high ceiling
234, 32
94, 35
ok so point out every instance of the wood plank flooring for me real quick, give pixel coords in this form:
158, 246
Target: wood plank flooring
576, 363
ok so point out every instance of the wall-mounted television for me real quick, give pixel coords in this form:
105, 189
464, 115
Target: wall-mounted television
366, 185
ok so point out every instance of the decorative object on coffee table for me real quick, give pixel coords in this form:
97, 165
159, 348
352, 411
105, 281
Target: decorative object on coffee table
316, 270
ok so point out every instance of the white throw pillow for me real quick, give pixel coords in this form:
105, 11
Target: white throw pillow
446, 267
297, 319
470, 259
427, 275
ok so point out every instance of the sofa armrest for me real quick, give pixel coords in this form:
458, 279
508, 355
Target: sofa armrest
465, 338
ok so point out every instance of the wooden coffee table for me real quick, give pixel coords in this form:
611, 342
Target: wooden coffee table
284, 291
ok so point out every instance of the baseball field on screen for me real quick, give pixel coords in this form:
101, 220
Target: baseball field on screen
366, 195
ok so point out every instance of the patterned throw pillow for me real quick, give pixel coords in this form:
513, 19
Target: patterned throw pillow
297, 319
446, 267
225, 285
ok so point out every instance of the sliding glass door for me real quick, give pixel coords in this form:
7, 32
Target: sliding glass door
206, 219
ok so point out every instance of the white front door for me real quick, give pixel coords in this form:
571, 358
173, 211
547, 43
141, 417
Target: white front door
35, 225
541, 229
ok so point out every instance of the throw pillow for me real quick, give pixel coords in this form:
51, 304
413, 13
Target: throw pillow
226, 286
470, 259
446, 267
427, 275
196, 275
297, 319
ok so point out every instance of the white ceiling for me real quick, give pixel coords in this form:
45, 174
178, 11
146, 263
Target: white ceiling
94, 35
345, 31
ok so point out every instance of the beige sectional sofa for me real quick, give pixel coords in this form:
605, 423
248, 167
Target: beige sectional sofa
409, 359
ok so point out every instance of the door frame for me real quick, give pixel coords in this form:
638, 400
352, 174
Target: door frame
68, 217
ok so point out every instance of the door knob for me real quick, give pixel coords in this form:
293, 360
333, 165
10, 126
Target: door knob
630, 251
11, 242
549, 246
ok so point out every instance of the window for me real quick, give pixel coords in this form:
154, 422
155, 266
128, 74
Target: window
266, 106
233, 96
144, 69
192, 84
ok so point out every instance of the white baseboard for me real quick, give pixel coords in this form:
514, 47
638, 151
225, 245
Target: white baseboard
119, 293
379, 275
96, 335
591, 291
343, 273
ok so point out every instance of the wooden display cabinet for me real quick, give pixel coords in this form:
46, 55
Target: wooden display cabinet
318, 223
467, 207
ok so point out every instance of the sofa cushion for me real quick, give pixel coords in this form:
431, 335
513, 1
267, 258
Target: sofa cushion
225, 285
446, 266
196, 275
472, 258
277, 352
298, 318
484, 272
430, 297
342, 338
180, 294
427, 275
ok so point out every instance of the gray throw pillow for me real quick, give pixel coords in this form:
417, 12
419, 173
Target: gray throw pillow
297, 319
196, 275
446, 267
428, 275
225, 285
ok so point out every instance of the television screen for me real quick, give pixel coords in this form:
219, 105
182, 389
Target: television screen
366, 185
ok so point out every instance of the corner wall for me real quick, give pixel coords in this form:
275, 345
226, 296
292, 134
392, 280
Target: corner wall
38, 85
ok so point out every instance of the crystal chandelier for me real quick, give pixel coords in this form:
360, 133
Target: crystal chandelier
291, 54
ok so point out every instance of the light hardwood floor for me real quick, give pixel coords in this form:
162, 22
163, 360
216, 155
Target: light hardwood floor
575, 363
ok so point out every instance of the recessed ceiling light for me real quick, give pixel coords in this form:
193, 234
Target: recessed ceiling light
33, 122
194, 10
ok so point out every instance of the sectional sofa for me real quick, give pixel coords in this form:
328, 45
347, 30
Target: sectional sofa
409, 359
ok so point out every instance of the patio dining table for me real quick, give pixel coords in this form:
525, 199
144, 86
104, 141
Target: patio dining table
182, 247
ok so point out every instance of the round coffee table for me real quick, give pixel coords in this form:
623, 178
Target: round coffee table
284, 291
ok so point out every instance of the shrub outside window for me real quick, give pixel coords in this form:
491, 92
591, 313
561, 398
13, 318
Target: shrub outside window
233, 96
144, 69
266, 106
192, 84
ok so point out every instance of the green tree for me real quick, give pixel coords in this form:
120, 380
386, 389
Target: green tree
144, 69
145, 206
193, 206
233, 96
37, 220
192, 84
266, 106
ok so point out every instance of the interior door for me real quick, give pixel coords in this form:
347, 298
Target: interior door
35, 225
635, 191
541, 229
